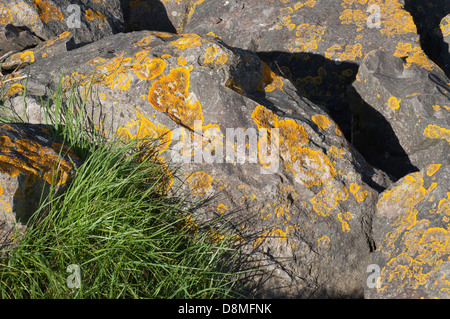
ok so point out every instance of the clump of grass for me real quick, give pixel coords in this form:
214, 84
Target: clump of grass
116, 222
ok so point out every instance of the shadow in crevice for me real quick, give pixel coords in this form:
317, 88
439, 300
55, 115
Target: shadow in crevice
328, 84
146, 15
318, 79
427, 16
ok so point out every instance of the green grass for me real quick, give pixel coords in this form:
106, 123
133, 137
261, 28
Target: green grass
129, 238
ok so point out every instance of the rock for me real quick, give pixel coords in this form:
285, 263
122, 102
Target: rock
152, 15
30, 162
412, 234
317, 45
405, 111
430, 19
89, 20
301, 200
12, 40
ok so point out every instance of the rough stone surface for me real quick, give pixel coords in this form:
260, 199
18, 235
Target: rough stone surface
318, 45
12, 40
405, 111
412, 233
47, 19
304, 221
30, 161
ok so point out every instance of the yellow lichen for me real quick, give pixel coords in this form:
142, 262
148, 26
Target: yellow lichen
394, 103
437, 132
170, 94
91, 15
215, 55
5, 15
47, 12
13, 89
270, 80
322, 121
199, 182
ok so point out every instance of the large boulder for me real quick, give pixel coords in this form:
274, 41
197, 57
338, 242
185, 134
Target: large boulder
412, 235
249, 150
33, 163
318, 45
404, 111
431, 21
89, 20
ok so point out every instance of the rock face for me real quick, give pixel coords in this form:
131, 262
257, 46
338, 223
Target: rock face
318, 45
299, 194
404, 110
289, 120
412, 228
30, 161
90, 20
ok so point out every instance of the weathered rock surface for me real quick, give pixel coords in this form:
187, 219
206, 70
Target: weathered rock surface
89, 20
302, 200
412, 233
13, 40
405, 112
31, 161
431, 21
318, 45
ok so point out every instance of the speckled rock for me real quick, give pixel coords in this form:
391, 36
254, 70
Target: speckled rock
299, 195
89, 20
412, 233
431, 19
30, 162
318, 45
13, 40
406, 113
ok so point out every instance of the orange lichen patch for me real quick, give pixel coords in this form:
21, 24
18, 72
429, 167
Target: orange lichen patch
413, 55
22, 57
270, 81
358, 192
394, 103
344, 218
221, 208
48, 43
13, 89
187, 41
322, 121
424, 251
432, 169
324, 242
215, 55
5, 144
276, 233
199, 182
308, 38
47, 12
91, 15
69, 81
444, 206
437, 132
145, 129
358, 17
445, 26
13, 166
170, 94
145, 41
55, 169
5, 15
329, 197
181, 61
150, 68
401, 201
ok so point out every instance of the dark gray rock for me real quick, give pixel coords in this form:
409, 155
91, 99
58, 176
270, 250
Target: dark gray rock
404, 110
302, 210
30, 161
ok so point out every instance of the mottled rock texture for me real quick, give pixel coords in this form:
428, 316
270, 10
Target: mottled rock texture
32, 164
